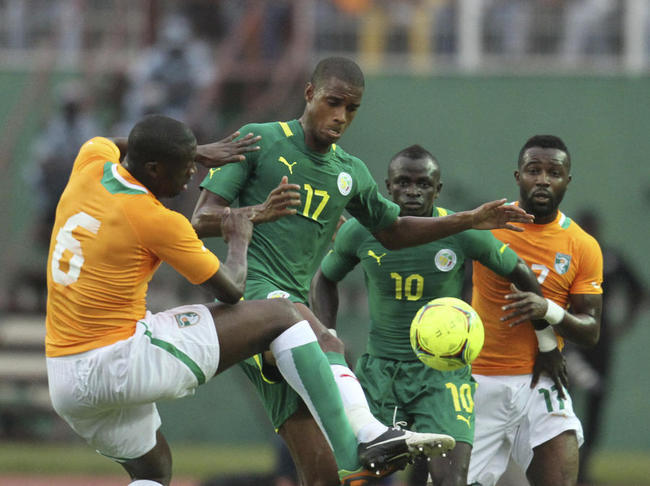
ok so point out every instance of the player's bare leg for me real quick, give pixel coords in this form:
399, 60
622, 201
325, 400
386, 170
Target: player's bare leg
327, 341
155, 465
249, 327
310, 451
555, 462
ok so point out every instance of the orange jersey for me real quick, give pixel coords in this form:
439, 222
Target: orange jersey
109, 237
566, 261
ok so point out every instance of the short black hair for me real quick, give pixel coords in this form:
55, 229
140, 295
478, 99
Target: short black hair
414, 152
340, 68
545, 141
161, 139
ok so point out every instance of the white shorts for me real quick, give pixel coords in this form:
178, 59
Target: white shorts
108, 394
512, 419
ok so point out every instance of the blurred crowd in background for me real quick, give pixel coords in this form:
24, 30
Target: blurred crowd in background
383, 33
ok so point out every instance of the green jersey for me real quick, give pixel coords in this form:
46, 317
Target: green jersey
287, 252
399, 282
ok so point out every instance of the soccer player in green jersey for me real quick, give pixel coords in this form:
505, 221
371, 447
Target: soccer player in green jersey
399, 386
295, 188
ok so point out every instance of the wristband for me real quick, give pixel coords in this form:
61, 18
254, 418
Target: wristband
546, 340
554, 313
333, 332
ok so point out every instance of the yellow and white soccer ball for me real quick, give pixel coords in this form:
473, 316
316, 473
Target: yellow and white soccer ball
447, 334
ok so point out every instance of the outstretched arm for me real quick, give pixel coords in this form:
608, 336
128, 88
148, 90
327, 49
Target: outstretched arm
411, 231
215, 154
227, 150
209, 210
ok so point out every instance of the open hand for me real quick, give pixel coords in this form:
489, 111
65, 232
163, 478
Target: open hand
497, 214
281, 201
227, 150
525, 306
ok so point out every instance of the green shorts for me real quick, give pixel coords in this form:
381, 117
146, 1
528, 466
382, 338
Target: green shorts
279, 399
426, 399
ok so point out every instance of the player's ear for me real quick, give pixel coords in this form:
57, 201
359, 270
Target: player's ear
387, 185
153, 170
309, 92
516, 174
151, 167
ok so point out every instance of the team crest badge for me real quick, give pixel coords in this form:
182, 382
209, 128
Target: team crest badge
562, 263
445, 260
186, 319
278, 294
344, 182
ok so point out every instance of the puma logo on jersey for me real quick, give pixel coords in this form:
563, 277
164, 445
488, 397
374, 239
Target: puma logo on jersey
464, 419
376, 257
503, 248
290, 166
212, 171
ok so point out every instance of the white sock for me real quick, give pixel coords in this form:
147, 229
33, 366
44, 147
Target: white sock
144, 482
366, 427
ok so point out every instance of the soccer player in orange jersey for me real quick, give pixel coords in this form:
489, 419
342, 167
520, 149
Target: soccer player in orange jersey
522, 407
108, 359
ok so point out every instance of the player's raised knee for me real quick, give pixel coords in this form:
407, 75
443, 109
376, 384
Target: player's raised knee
283, 311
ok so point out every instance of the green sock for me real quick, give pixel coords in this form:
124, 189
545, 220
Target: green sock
335, 358
305, 367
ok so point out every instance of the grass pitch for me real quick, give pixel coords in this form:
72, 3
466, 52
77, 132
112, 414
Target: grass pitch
189, 461
198, 462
